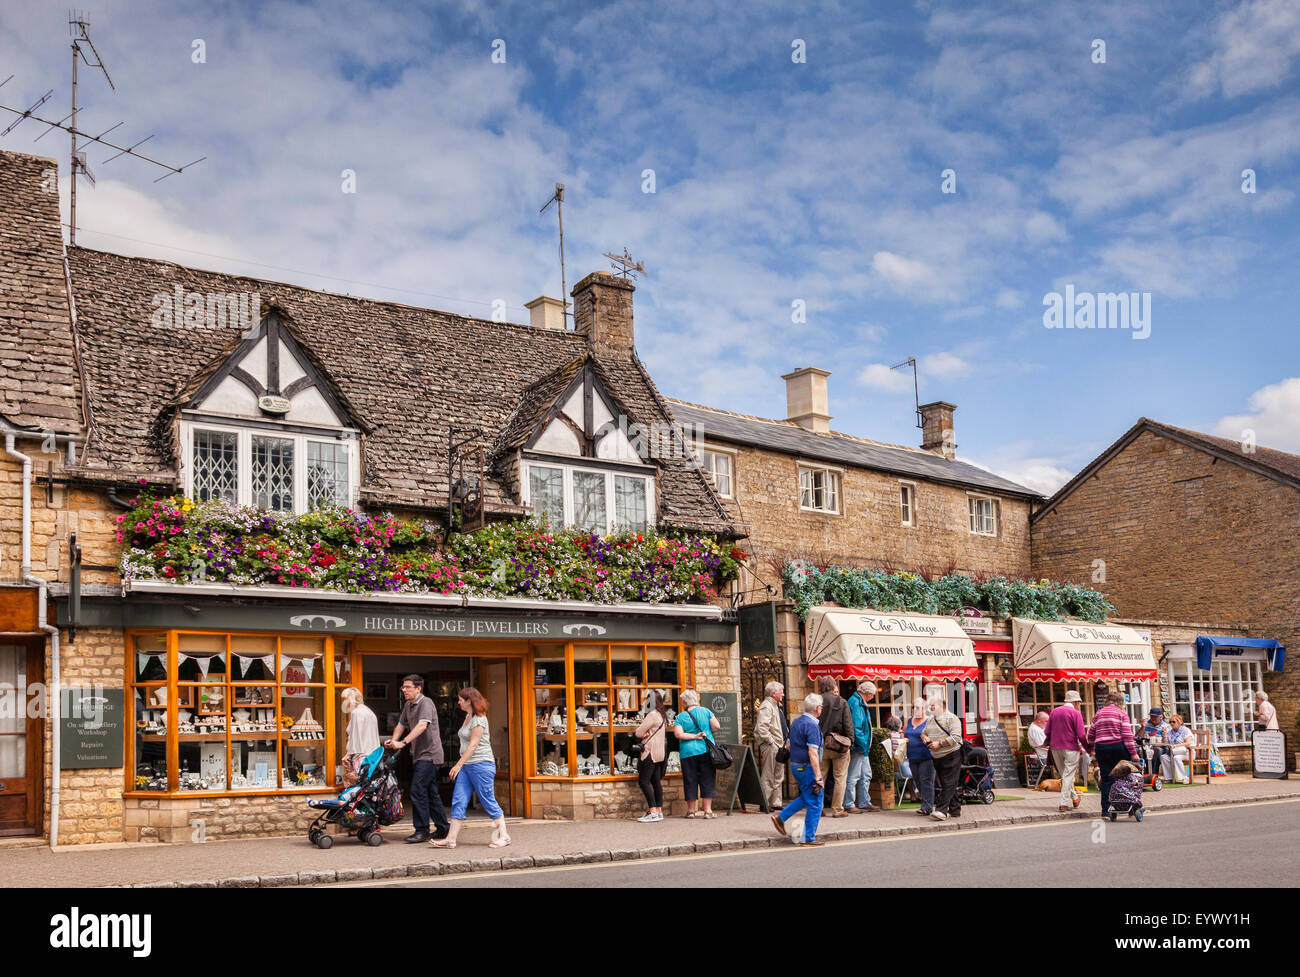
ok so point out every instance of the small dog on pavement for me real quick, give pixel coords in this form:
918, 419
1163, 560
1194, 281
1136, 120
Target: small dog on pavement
1052, 785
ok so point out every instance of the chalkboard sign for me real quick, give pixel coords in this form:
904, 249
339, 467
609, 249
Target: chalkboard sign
726, 707
92, 735
1268, 754
1000, 757
1099, 693
740, 782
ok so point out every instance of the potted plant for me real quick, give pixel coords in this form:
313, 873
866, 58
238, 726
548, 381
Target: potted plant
882, 770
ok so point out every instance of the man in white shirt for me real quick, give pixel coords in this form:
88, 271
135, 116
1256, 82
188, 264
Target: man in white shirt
1037, 733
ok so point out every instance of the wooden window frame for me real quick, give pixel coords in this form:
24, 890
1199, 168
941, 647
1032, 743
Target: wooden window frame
995, 511
908, 509
835, 473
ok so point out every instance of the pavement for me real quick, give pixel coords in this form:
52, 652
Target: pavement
274, 862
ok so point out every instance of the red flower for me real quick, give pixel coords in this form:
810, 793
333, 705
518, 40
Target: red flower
327, 560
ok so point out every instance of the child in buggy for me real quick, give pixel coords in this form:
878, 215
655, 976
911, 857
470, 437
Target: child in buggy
1126, 790
372, 802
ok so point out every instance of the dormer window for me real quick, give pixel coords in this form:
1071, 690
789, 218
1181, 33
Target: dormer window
599, 501
266, 429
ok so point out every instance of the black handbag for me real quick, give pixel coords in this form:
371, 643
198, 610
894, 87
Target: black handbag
720, 755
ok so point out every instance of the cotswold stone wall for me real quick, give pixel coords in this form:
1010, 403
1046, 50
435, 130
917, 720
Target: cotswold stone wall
90, 807
869, 530
193, 820
1186, 538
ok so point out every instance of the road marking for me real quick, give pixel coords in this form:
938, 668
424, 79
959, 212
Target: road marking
920, 836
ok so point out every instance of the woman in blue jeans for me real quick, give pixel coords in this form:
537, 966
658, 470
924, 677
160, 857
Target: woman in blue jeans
474, 773
919, 757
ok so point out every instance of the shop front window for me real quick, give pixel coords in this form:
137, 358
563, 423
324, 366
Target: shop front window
1033, 697
245, 712
586, 725
1220, 699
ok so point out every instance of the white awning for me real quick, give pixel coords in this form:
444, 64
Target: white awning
848, 644
1077, 651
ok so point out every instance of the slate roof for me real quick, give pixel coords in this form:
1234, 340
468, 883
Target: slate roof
406, 372
1280, 466
842, 449
38, 372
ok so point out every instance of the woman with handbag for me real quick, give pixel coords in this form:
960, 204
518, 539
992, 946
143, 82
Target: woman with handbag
649, 748
918, 756
694, 731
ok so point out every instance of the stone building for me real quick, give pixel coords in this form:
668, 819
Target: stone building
214, 703
1195, 537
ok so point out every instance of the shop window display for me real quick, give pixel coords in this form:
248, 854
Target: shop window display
1220, 699
246, 712
608, 699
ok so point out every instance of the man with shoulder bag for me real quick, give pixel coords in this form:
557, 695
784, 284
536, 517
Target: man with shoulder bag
772, 737
944, 738
837, 740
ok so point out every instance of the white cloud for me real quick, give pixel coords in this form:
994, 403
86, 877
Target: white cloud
1274, 417
1044, 475
945, 364
1009, 298
1254, 47
902, 274
881, 377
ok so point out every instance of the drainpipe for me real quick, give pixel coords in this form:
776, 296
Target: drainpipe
52, 696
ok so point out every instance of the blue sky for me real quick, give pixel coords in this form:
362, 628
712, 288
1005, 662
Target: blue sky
775, 182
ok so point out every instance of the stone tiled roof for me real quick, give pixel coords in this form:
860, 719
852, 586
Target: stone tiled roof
38, 369
1278, 465
786, 436
407, 372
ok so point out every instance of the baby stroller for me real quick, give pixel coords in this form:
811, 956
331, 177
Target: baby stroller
976, 775
373, 801
1126, 794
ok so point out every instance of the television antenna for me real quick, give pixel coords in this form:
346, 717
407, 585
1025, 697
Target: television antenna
624, 266
79, 28
916, 390
557, 198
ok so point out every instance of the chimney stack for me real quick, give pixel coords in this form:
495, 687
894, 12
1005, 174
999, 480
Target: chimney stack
937, 430
602, 311
546, 313
806, 400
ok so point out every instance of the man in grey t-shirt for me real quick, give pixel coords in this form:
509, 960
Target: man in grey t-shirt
418, 727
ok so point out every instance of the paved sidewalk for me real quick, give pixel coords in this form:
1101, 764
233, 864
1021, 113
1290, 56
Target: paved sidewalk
267, 862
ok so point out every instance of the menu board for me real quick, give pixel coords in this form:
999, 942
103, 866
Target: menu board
1000, 757
726, 707
1268, 754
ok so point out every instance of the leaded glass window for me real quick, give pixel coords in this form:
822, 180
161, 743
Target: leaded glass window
327, 474
629, 502
589, 501
272, 470
216, 465
546, 493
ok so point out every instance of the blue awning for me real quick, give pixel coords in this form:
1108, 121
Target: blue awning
1208, 646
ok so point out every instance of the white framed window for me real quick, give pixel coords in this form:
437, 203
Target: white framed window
983, 515
285, 471
907, 503
1220, 699
598, 500
819, 489
720, 466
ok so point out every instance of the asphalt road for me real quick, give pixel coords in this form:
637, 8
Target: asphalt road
1241, 844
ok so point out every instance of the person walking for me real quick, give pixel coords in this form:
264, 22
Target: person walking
362, 734
943, 738
1265, 712
653, 737
772, 734
417, 726
1067, 740
805, 764
475, 772
837, 738
694, 726
918, 756
857, 793
1110, 739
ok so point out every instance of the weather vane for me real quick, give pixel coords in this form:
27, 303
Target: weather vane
624, 265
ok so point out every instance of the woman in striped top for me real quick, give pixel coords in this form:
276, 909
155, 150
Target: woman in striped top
1110, 740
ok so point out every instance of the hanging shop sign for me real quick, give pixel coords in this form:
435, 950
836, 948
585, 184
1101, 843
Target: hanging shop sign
974, 621
91, 732
852, 644
1076, 651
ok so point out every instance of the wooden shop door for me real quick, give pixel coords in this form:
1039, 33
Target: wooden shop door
21, 746
500, 678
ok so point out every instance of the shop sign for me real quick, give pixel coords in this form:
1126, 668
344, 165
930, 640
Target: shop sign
726, 706
757, 629
974, 621
1268, 754
91, 731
